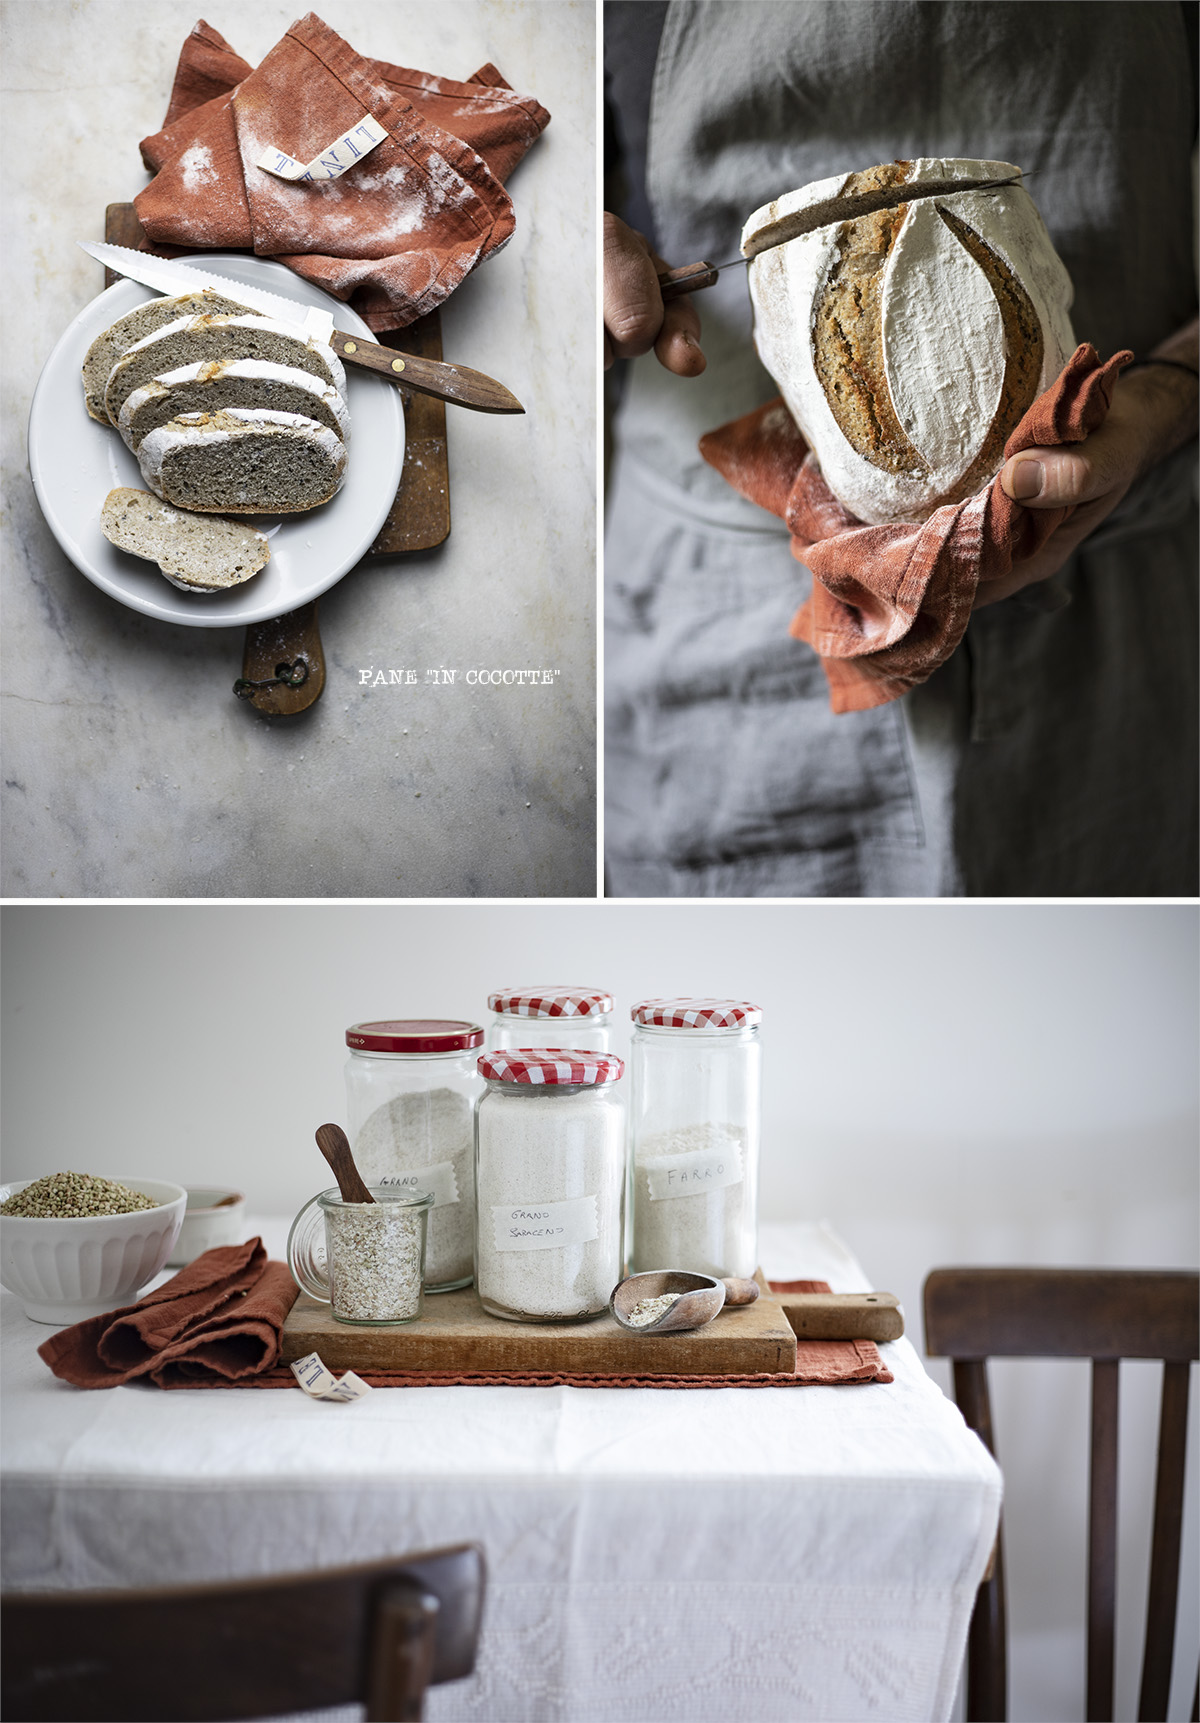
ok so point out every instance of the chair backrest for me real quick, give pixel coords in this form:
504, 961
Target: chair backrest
972, 1314
377, 1634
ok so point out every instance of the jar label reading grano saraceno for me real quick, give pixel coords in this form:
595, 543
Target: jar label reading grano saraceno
441, 1181
543, 1226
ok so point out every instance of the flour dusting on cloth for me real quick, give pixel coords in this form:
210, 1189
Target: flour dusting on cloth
397, 232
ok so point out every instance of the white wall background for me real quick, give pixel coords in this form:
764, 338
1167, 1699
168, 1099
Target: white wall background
950, 1083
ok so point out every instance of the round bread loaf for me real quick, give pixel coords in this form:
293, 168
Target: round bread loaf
911, 328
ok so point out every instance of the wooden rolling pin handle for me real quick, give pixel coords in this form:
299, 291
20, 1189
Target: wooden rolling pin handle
690, 279
740, 1291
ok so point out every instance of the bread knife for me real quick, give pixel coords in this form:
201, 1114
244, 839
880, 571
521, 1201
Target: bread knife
692, 277
457, 384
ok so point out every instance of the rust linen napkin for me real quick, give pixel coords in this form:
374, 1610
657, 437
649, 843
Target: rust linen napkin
819, 1363
217, 1322
889, 604
396, 233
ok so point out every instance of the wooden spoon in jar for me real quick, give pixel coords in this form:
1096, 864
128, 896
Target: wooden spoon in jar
333, 1144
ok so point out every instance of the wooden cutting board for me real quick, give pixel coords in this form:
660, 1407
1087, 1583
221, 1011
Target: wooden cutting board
455, 1335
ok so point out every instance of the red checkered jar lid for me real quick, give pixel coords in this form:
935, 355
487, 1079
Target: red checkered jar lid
697, 1014
549, 1065
414, 1035
551, 1002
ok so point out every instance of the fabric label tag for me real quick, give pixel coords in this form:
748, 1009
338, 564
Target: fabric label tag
543, 1226
441, 1180
693, 1173
320, 1383
331, 162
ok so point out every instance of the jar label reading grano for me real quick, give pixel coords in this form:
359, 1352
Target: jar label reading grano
441, 1180
693, 1173
545, 1226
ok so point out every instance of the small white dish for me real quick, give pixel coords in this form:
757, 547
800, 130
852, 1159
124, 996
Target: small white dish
214, 1216
66, 1270
75, 462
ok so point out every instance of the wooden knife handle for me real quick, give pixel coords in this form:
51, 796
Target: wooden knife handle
457, 384
688, 279
843, 1315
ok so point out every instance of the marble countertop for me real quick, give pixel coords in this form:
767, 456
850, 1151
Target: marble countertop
130, 768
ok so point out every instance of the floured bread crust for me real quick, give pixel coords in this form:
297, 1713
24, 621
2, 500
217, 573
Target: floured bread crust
909, 340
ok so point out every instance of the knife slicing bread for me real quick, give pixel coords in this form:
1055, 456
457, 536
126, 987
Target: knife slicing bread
197, 553
911, 331
243, 461
116, 340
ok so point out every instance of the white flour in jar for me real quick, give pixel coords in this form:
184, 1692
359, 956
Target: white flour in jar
425, 1140
549, 1162
705, 1227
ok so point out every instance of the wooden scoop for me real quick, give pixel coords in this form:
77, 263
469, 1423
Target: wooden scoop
701, 1298
333, 1144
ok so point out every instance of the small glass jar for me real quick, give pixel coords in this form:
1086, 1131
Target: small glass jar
550, 1179
411, 1091
579, 1018
695, 1105
365, 1260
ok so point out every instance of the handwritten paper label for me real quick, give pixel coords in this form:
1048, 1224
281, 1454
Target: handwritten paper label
543, 1226
329, 163
440, 1180
321, 1384
693, 1173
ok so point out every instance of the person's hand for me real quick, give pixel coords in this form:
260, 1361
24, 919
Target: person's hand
635, 318
1153, 411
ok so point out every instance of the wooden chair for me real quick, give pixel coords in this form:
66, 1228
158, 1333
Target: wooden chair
377, 1634
973, 1314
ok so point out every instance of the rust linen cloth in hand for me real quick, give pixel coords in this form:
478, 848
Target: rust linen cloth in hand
218, 1322
889, 604
397, 232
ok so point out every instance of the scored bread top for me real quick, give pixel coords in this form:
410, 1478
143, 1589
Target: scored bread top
192, 340
209, 386
909, 337
135, 326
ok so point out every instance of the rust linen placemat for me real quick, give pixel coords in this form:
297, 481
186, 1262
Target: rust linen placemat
396, 233
890, 604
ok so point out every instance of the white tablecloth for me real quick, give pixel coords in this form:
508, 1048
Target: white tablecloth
713, 1556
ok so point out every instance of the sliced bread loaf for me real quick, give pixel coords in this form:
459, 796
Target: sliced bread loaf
106, 349
211, 387
197, 553
243, 461
207, 340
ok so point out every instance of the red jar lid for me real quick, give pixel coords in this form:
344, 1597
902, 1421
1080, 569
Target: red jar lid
548, 1065
414, 1035
551, 1001
697, 1013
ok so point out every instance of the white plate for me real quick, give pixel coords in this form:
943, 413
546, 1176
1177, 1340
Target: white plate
75, 462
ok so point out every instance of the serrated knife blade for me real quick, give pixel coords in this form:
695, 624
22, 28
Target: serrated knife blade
456, 384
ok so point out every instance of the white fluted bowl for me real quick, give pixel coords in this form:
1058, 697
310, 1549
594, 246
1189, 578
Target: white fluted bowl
65, 1270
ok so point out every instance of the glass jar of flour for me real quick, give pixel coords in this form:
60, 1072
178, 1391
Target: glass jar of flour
574, 1017
411, 1091
550, 1180
695, 1078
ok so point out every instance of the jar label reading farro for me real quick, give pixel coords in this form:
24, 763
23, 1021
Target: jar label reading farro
440, 1180
693, 1173
545, 1226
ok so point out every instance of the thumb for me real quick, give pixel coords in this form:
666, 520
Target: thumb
1059, 478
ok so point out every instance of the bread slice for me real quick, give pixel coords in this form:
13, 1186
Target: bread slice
211, 387
127, 331
205, 340
197, 553
243, 461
